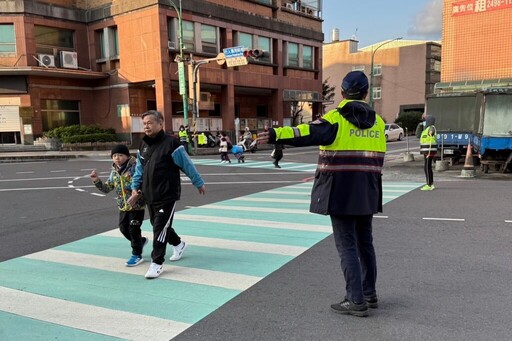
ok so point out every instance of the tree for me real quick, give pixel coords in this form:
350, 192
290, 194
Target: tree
328, 93
296, 108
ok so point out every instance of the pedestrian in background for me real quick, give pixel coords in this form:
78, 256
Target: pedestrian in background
157, 177
348, 184
223, 149
277, 154
130, 216
428, 147
183, 136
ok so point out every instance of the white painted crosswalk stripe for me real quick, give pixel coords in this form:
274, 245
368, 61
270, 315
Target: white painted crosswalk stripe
90, 318
172, 272
254, 222
239, 245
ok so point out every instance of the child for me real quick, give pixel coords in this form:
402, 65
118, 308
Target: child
130, 218
224, 151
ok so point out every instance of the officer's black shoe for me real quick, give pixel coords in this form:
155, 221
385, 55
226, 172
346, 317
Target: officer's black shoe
372, 302
349, 308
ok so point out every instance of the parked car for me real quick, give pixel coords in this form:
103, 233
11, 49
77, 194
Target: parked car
393, 132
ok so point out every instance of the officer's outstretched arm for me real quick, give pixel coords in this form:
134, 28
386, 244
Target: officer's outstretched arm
316, 133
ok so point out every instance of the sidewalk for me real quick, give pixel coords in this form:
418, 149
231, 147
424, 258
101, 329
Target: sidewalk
21, 156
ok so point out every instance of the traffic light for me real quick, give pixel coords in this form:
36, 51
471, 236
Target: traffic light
255, 54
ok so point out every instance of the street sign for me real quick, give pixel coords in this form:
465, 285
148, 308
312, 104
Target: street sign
235, 56
181, 77
221, 58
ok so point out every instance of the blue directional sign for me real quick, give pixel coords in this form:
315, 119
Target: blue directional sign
234, 56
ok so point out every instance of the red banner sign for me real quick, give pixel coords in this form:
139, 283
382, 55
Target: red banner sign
479, 6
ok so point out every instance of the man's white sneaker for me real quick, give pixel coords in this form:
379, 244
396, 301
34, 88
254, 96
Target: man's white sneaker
178, 251
154, 271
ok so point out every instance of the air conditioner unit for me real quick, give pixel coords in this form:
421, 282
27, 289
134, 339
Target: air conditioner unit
171, 45
47, 60
69, 60
290, 6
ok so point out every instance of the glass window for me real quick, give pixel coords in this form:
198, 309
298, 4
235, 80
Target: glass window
48, 38
114, 41
209, 38
188, 35
109, 45
264, 44
56, 113
245, 40
376, 93
307, 57
293, 54
377, 70
7, 38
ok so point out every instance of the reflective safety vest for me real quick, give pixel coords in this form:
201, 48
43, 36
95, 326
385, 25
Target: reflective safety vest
428, 143
354, 149
183, 136
202, 139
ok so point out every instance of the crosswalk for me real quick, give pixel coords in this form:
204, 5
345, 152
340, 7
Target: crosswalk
267, 164
83, 291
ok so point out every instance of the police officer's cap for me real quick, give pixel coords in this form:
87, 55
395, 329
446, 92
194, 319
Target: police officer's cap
355, 83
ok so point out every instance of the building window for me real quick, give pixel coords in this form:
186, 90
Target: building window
57, 113
188, 35
307, 57
292, 54
264, 43
209, 39
109, 43
48, 39
265, 2
377, 70
245, 40
377, 92
7, 38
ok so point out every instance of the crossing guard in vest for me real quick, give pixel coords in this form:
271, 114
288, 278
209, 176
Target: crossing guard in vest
428, 147
183, 135
348, 184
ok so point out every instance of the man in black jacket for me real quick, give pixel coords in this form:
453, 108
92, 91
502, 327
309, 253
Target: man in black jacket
157, 178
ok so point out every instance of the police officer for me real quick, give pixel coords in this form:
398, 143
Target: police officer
428, 147
183, 135
348, 184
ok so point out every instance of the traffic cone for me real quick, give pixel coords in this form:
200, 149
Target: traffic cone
469, 167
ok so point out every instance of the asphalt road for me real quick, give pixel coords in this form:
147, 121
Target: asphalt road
443, 256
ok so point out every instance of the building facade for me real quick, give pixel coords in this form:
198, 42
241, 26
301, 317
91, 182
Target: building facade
477, 42
404, 72
105, 62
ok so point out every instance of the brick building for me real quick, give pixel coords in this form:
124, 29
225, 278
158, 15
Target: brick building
404, 72
105, 62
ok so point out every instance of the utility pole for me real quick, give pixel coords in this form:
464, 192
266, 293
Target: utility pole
371, 69
181, 62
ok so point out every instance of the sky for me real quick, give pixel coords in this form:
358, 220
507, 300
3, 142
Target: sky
374, 21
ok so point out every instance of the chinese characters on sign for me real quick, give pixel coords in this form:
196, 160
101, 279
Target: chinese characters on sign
479, 6
235, 56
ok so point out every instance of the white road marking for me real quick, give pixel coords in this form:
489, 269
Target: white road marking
58, 171
80, 190
255, 222
81, 316
289, 201
508, 221
238, 245
172, 272
98, 194
445, 219
27, 172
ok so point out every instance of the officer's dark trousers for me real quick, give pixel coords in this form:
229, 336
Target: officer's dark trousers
354, 241
161, 216
427, 166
